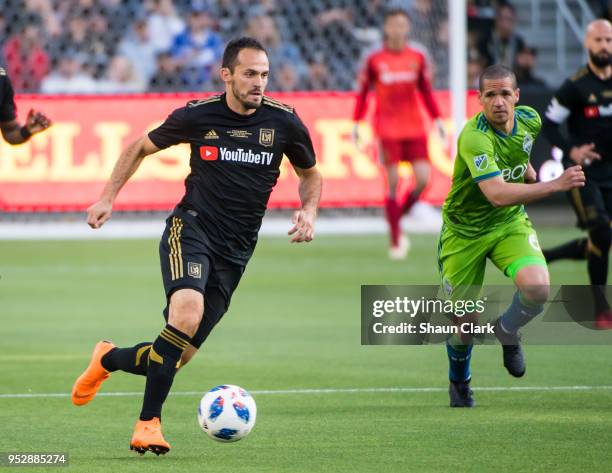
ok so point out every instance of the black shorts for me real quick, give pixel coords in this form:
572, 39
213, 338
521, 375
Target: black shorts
592, 204
188, 263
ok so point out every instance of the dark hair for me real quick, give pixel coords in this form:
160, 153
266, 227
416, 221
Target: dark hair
496, 71
508, 6
528, 49
396, 11
233, 48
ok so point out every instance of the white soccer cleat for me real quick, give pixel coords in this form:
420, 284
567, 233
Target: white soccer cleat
400, 251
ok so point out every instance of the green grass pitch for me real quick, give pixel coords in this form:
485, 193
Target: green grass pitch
293, 324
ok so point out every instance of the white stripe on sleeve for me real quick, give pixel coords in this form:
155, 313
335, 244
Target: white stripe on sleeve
557, 112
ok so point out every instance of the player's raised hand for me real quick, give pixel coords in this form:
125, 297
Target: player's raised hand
99, 213
37, 121
303, 226
585, 154
571, 178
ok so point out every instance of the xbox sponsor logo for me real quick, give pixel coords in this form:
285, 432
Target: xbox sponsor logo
515, 173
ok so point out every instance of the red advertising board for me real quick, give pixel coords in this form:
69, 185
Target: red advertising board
64, 168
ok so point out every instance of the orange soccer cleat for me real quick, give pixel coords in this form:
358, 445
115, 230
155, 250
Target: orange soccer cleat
148, 437
86, 386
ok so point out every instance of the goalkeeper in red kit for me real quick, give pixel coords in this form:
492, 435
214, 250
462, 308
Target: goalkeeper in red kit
398, 74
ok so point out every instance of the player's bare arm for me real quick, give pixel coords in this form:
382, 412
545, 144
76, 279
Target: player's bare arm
501, 193
531, 176
125, 167
15, 134
303, 220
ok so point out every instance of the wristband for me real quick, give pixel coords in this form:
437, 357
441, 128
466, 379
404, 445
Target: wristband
25, 133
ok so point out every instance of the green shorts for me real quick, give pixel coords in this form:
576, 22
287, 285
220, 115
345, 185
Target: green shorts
462, 261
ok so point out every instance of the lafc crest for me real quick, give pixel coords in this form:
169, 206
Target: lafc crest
266, 136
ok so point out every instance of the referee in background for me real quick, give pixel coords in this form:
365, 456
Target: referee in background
585, 101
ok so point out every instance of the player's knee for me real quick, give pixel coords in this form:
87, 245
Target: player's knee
600, 238
186, 310
533, 282
537, 294
535, 285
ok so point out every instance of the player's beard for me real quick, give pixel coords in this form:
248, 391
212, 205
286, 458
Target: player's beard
602, 59
243, 99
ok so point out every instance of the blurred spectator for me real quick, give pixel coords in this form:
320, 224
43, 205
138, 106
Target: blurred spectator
334, 37
69, 77
44, 9
523, 68
473, 39
84, 36
198, 48
314, 44
121, 13
164, 24
103, 37
481, 15
368, 14
139, 48
425, 16
606, 9
475, 67
281, 53
439, 63
477, 6
286, 78
319, 77
233, 15
167, 75
26, 60
74, 39
121, 78
502, 44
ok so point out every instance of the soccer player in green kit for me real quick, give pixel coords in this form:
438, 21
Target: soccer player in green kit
484, 218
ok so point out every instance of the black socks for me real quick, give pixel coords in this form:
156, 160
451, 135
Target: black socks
131, 360
164, 359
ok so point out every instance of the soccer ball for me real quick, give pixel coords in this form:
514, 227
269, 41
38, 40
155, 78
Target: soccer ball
227, 413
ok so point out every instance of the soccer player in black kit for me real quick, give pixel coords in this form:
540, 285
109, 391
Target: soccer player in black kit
12, 131
585, 101
237, 143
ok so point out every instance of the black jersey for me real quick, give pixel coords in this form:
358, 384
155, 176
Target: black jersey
7, 98
585, 101
234, 164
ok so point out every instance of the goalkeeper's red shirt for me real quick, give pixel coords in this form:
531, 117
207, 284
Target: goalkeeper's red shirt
397, 78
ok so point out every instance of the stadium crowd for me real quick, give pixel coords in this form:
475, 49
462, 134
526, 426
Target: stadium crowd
131, 46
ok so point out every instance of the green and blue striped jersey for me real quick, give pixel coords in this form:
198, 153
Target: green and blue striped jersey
484, 152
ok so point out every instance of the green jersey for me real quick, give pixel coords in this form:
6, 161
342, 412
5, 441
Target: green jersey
484, 152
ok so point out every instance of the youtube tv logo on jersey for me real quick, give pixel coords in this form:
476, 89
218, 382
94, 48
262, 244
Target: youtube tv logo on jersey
209, 153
